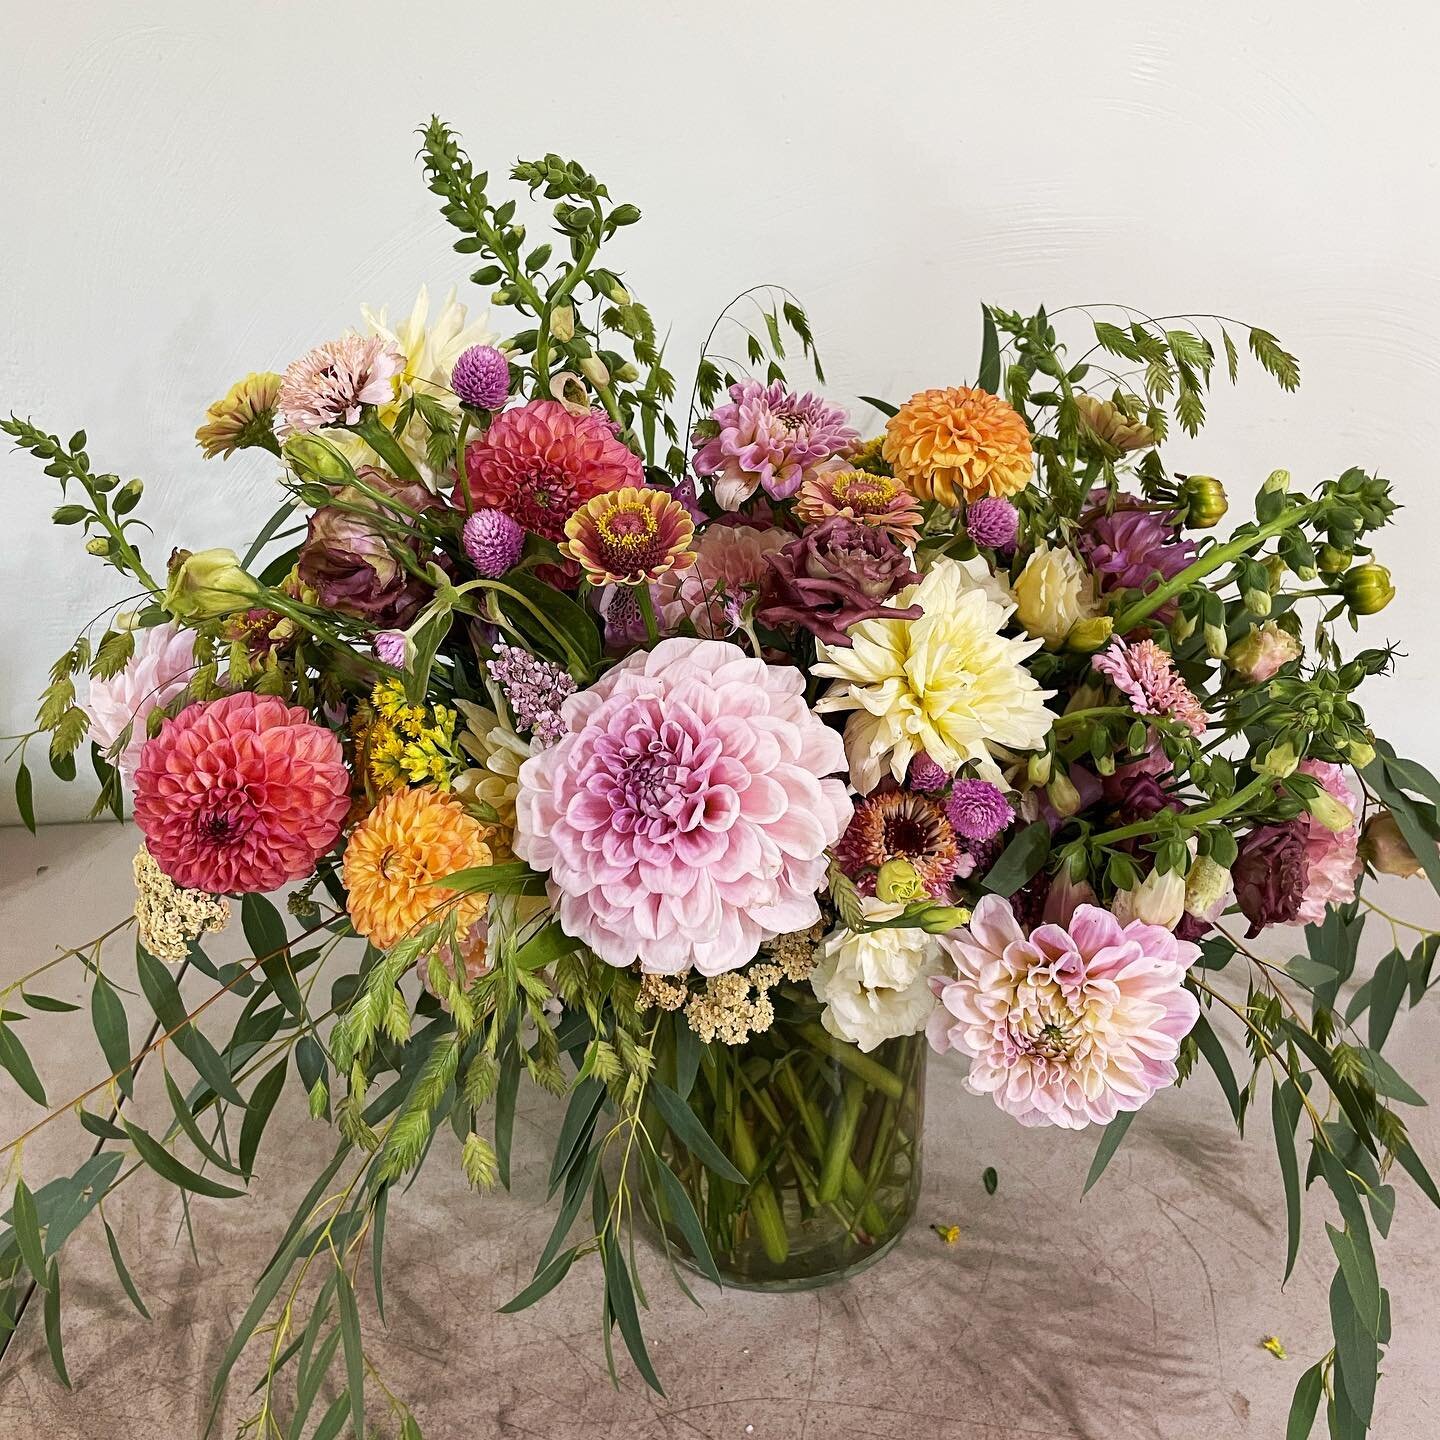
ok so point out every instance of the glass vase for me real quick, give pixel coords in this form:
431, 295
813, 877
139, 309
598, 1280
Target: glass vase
827, 1140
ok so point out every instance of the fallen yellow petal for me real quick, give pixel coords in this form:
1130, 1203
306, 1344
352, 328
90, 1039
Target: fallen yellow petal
1273, 1345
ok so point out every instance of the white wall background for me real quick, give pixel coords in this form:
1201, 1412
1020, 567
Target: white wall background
191, 190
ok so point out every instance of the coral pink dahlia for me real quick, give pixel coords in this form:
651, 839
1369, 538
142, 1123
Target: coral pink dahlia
241, 794
1068, 1025
539, 463
683, 816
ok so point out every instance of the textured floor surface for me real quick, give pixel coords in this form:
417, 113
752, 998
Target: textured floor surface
1135, 1315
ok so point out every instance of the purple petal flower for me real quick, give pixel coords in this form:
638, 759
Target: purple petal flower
493, 542
925, 775
392, 647
482, 377
978, 810
993, 522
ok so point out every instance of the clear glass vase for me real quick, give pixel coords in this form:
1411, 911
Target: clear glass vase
827, 1138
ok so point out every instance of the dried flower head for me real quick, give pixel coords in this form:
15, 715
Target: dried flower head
168, 917
901, 825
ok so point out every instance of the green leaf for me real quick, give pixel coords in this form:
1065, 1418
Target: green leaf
123, 1272
576, 1129
47, 1003
1020, 860
262, 1102
377, 1247
988, 377
620, 1295
26, 1222
112, 1029
1321, 1059
577, 1186
1391, 979
513, 877
546, 945
688, 1130
1110, 1140
185, 1118
990, 1179
1306, 1402
1414, 1167
1284, 1116
14, 1059
159, 1159
25, 796
543, 1283
575, 629
1387, 1080
52, 1323
1310, 973
682, 1211
883, 406
354, 1353
1357, 1357
265, 932
333, 1419
1219, 1062
505, 1095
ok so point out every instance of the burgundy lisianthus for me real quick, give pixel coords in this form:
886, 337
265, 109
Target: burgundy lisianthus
1129, 547
350, 554
832, 576
1270, 875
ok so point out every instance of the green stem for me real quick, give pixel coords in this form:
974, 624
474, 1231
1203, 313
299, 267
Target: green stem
372, 430
647, 612
870, 1217
872, 1072
764, 1208
842, 1140
1195, 818
1212, 559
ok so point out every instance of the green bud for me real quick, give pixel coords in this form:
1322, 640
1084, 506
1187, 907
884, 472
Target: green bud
124, 620
1090, 634
1205, 501
1215, 641
1367, 588
1333, 814
1105, 764
899, 883
98, 545
594, 369
941, 919
1064, 797
316, 460
562, 322
1280, 760
502, 296
1182, 627
1276, 480
627, 374
1037, 768
208, 584
1361, 753
1257, 602
615, 292
1334, 561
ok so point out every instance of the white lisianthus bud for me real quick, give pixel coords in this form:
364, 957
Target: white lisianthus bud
1280, 760
1333, 814
562, 322
1054, 591
1157, 900
593, 368
1063, 796
1277, 480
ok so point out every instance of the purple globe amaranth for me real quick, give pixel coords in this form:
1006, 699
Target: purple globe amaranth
993, 522
834, 575
1270, 875
978, 810
1129, 546
493, 542
391, 647
481, 377
352, 549
925, 775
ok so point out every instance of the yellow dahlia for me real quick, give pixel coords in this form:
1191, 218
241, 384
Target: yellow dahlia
876, 500
409, 839
630, 536
949, 685
949, 445
242, 417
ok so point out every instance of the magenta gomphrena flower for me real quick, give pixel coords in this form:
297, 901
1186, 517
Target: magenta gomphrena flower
481, 377
767, 437
1070, 1025
392, 647
993, 522
493, 542
684, 815
978, 810
334, 381
1145, 675
1332, 860
534, 688
925, 775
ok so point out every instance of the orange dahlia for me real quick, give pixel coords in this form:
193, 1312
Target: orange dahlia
630, 537
949, 445
409, 839
879, 501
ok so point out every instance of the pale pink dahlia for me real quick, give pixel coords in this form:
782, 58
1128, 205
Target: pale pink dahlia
1145, 674
240, 794
330, 384
155, 674
1069, 1025
767, 437
539, 463
729, 569
1332, 857
683, 816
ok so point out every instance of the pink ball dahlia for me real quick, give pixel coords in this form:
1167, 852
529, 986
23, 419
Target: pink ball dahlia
683, 817
768, 437
155, 674
1068, 1025
1332, 859
241, 794
539, 463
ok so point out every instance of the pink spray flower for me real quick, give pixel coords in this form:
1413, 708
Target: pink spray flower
1069, 1025
155, 674
1332, 857
683, 816
1145, 674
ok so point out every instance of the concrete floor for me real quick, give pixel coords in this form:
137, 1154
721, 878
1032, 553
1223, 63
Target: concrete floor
1135, 1315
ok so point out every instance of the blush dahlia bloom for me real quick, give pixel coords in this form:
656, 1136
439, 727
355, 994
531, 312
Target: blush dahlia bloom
730, 567
1145, 675
768, 438
629, 537
331, 384
1332, 857
240, 795
539, 463
1069, 1025
683, 817
155, 674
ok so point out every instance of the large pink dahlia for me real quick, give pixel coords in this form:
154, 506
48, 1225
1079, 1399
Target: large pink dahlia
538, 464
1068, 1025
684, 814
240, 794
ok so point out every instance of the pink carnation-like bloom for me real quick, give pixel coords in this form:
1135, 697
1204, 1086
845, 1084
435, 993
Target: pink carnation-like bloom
1070, 1025
1145, 675
683, 816
539, 463
729, 568
155, 674
1332, 857
330, 384
241, 794
767, 437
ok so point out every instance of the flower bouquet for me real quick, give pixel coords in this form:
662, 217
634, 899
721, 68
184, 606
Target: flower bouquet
711, 774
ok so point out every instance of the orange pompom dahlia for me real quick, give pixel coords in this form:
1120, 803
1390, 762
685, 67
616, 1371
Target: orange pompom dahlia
409, 839
630, 537
959, 444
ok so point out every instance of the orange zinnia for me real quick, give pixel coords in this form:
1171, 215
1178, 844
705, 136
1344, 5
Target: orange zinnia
409, 839
960, 444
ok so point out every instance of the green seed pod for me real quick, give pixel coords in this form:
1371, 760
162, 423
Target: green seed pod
1367, 588
1205, 502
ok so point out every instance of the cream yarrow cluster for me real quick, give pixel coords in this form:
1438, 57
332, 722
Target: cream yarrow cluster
168, 917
